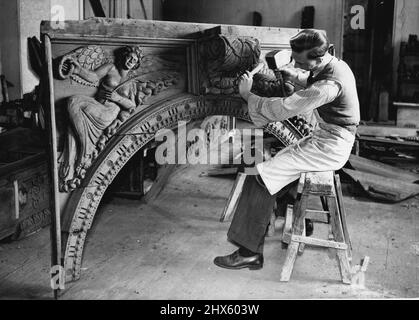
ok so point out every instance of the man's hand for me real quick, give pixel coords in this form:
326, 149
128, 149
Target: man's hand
289, 72
245, 85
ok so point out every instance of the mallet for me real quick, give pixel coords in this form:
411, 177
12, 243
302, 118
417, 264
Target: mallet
277, 59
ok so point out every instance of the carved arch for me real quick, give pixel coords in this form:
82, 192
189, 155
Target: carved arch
140, 129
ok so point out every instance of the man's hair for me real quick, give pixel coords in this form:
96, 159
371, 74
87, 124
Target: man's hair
315, 41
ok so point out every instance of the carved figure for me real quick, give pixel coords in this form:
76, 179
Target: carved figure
93, 120
90, 116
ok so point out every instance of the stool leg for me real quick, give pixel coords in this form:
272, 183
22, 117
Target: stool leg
325, 208
287, 229
302, 245
298, 227
342, 255
289, 261
342, 213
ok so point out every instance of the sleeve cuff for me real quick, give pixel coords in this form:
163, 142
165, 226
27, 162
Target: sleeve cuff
254, 111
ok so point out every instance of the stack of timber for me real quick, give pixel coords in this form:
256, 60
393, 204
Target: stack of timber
382, 182
393, 145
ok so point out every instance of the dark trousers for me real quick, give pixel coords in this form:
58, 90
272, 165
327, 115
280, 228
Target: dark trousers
253, 213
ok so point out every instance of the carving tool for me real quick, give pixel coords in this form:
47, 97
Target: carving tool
258, 68
277, 59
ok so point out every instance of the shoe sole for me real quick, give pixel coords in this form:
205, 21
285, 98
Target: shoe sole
241, 267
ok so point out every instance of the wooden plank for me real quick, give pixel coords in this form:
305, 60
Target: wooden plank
318, 182
299, 212
288, 265
161, 180
234, 197
342, 212
56, 254
302, 244
301, 182
317, 215
384, 131
220, 172
286, 231
342, 255
406, 104
105, 27
319, 242
389, 141
384, 170
344, 266
387, 189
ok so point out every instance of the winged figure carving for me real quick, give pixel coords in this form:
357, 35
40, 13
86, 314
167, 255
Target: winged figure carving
124, 79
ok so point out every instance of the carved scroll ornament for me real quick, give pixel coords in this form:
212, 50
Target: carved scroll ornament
225, 58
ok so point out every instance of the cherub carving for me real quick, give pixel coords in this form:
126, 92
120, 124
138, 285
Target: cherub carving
93, 120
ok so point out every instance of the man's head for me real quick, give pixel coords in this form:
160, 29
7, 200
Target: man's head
309, 47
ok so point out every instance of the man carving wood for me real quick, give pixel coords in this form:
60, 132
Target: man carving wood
330, 92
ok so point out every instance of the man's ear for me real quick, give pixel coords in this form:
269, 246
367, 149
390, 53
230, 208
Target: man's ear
331, 50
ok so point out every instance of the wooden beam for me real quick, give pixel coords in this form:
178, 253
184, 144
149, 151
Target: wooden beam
56, 254
234, 197
220, 172
319, 242
385, 131
162, 177
387, 189
317, 215
131, 28
381, 169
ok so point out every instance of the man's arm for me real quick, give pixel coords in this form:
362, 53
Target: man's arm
265, 110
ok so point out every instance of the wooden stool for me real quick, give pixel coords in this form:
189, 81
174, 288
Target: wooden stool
327, 186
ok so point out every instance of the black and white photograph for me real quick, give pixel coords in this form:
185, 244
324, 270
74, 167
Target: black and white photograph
209, 154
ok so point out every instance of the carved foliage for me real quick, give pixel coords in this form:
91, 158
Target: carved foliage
223, 59
90, 57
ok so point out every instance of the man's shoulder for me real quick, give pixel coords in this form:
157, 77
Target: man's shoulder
341, 66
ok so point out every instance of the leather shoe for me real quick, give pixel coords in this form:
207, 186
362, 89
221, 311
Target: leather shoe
236, 261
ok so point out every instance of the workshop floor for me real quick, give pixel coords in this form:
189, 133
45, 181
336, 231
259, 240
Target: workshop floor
165, 250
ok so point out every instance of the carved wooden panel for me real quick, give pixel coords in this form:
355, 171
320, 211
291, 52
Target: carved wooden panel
24, 197
115, 83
